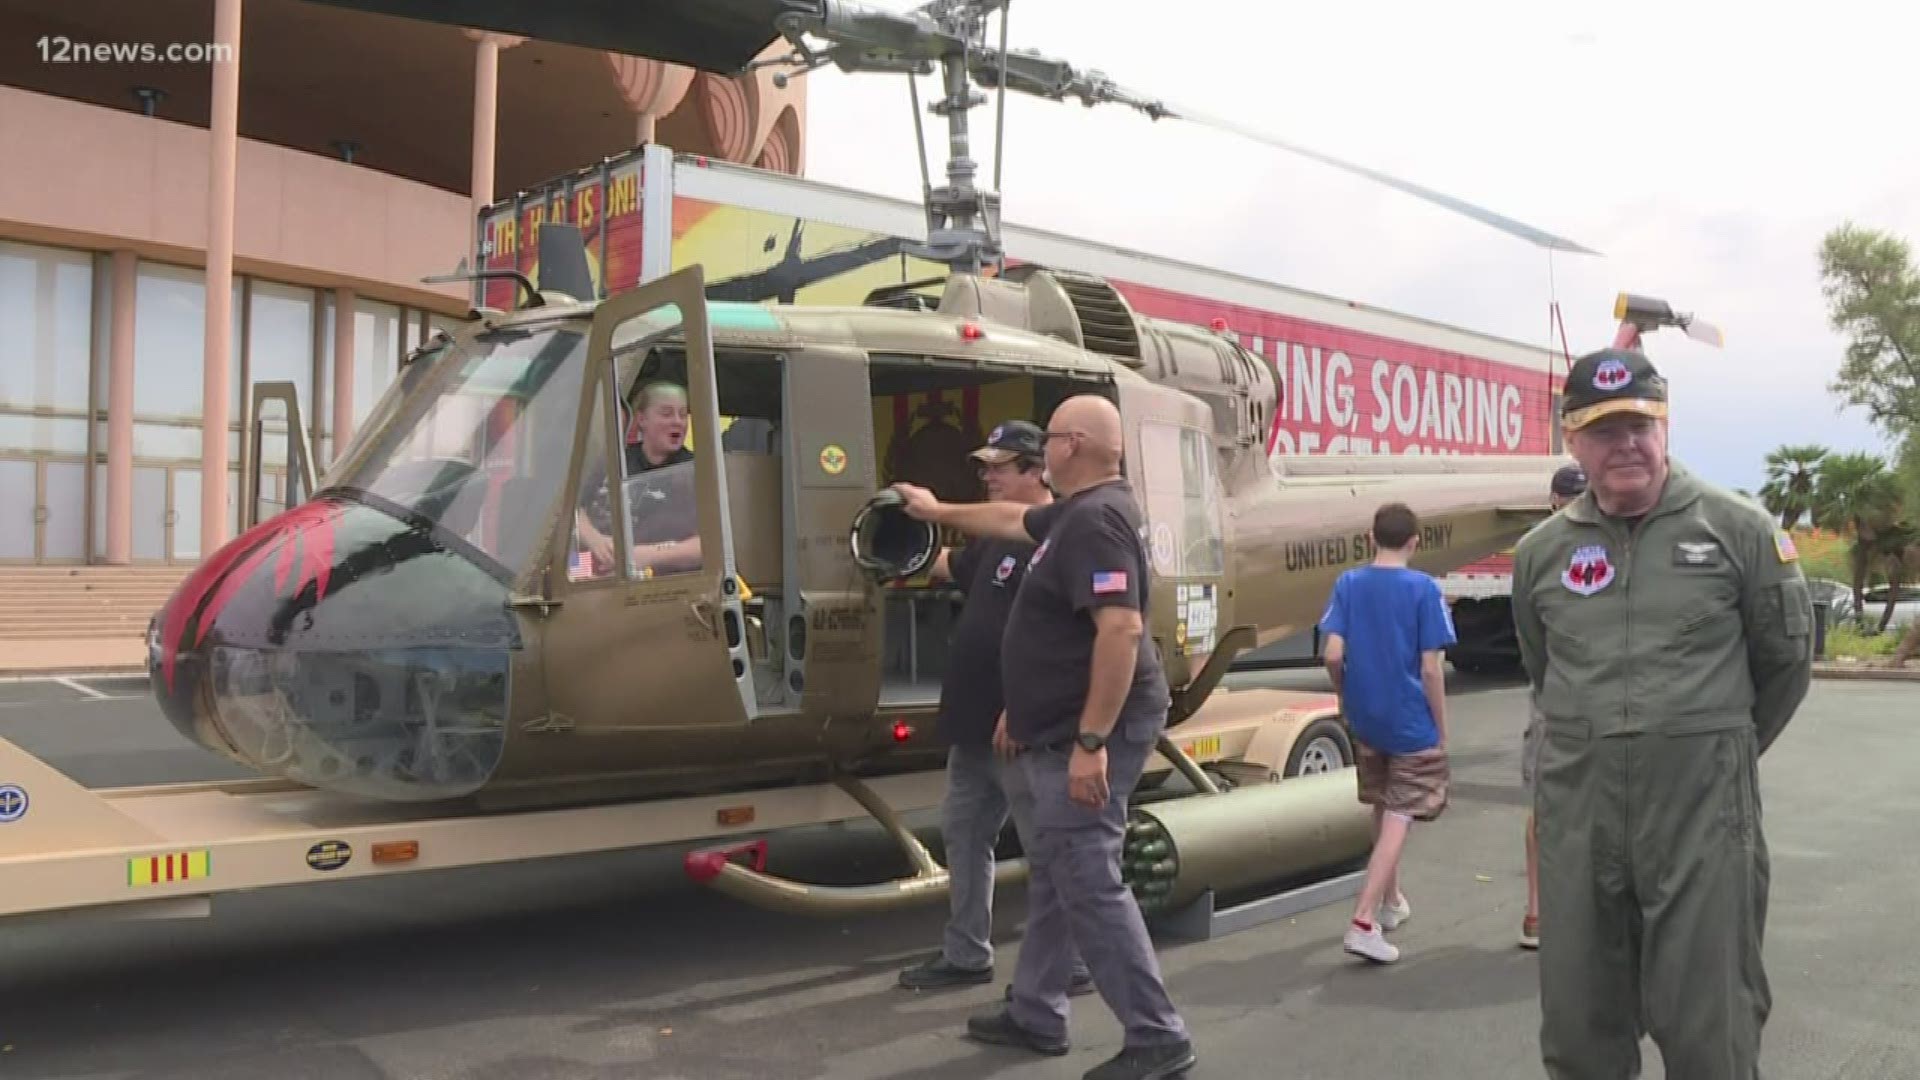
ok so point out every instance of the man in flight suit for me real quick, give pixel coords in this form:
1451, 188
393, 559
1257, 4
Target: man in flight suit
1665, 627
980, 789
1087, 698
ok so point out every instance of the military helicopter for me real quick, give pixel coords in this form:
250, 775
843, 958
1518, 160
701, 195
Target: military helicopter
467, 617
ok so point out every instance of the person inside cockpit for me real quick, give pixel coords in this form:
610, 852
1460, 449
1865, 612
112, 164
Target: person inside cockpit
658, 476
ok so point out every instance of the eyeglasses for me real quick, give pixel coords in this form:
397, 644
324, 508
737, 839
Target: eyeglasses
1049, 436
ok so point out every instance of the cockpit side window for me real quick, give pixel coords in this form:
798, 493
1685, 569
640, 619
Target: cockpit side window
653, 490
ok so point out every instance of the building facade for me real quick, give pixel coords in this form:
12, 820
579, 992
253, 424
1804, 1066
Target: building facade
316, 162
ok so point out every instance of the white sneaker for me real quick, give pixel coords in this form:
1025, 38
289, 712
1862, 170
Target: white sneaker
1370, 944
1390, 916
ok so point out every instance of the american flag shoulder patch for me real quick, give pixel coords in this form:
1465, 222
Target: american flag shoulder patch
1109, 581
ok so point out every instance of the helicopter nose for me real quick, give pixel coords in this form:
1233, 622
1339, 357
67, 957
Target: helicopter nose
344, 648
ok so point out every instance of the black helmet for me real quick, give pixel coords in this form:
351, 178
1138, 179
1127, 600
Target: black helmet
887, 542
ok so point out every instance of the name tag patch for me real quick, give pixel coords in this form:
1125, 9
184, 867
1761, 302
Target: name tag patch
1696, 553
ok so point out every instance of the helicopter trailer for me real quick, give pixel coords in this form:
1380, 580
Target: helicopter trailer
166, 850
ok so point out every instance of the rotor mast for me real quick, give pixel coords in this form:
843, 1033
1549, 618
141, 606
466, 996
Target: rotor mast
963, 219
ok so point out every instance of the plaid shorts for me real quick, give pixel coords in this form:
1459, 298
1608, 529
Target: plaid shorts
1412, 784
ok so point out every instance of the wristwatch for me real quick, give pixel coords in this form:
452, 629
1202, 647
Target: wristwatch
1091, 742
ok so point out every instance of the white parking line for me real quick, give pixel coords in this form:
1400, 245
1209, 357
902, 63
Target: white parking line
87, 690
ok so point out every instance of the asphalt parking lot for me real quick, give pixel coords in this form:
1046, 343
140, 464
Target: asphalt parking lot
616, 966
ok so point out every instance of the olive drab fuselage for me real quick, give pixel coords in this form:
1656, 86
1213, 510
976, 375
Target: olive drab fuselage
776, 660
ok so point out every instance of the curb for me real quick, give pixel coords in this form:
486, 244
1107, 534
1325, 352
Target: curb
1863, 672
70, 671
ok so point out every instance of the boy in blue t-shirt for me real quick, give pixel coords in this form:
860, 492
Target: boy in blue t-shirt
1386, 628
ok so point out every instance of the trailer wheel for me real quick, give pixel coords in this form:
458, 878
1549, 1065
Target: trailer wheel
1322, 747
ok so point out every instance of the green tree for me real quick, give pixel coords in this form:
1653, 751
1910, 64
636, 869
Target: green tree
1896, 554
1907, 473
1855, 495
1873, 298
1788, 491
1872, 291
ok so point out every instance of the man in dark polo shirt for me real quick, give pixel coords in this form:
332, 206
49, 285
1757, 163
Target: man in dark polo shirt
973, 722
1087, 698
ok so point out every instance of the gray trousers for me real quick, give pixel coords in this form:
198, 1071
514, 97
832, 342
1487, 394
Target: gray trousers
980, 797
1076, 900
1653, 893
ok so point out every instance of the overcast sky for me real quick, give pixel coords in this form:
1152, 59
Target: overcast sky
1701, 149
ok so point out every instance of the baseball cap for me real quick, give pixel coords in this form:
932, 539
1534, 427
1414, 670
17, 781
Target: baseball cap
1569, 481
1612, 381
1015, 438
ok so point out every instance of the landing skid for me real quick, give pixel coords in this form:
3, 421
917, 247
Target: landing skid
1308, 829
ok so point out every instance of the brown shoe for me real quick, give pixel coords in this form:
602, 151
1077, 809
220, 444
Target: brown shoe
1530, 932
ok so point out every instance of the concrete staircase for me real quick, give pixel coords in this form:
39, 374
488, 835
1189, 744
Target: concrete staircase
87, 613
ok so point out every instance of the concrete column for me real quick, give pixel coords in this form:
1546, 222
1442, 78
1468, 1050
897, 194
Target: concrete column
342, 370
486, 110
651, 89
120, 412
216, 391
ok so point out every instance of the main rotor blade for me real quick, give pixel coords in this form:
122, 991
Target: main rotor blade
1459, 206
1045, 76
720, 36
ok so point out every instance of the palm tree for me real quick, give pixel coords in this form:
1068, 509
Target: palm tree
1855, 495
1791, 472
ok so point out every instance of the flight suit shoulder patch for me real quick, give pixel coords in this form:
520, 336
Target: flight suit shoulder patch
1783, 548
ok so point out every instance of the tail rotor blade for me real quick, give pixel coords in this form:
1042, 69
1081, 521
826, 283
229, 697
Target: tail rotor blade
1701, 330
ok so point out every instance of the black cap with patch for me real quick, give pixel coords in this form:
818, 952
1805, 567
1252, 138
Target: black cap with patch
1013, 439
1569, 481
1611, 381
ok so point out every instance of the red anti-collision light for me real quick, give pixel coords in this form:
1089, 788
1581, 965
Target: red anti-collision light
902, 731
1220, 324
971, 331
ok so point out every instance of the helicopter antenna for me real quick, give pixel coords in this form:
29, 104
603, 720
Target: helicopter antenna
963, 221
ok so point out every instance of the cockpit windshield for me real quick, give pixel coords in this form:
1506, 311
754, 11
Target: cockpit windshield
480, 448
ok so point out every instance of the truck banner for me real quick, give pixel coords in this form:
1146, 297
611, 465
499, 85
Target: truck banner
754, 254
1358, 393
604, 201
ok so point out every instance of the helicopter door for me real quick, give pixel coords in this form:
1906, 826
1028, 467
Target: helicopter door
278, 476
648, 634
1170, 463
